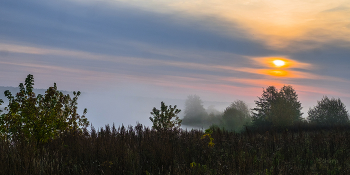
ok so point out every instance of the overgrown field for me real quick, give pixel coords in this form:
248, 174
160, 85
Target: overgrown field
139, 150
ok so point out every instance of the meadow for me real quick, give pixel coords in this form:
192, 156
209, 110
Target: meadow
302, 149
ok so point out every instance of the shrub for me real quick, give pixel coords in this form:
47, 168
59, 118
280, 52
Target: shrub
40, 118
165, 118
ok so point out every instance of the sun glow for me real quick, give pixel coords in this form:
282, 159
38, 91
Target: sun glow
278, 73
279, 63
280, 66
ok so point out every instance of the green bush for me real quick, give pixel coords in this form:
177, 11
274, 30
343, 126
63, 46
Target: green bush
165, 118
40, 118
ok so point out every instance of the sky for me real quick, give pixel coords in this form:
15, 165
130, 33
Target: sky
129, 55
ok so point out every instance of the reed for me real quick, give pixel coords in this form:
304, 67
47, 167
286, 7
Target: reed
141, 150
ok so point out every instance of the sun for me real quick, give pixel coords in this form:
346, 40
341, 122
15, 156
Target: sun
279, 63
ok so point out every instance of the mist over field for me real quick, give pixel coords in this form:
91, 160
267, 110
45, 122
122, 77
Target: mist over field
131, 106
120, 108
109, 108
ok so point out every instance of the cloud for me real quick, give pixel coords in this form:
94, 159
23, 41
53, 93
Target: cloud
280, 24
91, 67
112, 28
221, 50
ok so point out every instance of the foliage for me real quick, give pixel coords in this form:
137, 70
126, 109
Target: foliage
329, 111
208, 133
277, 108
236, 116
165, 118
39, 118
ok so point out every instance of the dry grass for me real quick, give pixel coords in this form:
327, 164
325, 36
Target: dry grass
140, 150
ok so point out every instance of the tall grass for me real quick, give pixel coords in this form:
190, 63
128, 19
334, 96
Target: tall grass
140, 150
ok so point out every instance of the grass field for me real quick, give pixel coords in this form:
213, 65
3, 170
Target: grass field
140, 150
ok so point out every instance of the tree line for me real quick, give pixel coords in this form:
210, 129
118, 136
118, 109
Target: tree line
44, 117
274, 108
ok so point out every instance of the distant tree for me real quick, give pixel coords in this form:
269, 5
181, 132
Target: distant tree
214, 116
241, 106
165, 118
194, 106
195, 114
1, 102
277, 108
212, 111
236, 116
40, 118
328, 112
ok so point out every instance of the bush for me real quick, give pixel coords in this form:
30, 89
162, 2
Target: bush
40, 118
163, 119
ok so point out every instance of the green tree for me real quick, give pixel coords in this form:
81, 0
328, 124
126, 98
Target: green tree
277, 108
328, 112
165, 118
236, 116
41, 117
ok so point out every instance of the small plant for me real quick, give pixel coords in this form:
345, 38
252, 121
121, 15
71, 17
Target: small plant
208, 133
163, 119
198, 168
194, 165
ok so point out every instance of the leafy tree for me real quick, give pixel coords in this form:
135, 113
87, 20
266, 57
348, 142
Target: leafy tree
277, 108
41, 117
328, 111
165, 118
240, 106
195, 114
236, 116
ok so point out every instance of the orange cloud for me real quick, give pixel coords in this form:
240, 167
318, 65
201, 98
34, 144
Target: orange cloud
255, 82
